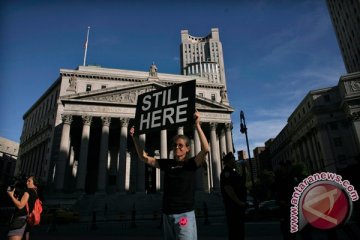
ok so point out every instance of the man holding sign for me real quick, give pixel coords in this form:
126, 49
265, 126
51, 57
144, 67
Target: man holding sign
179, 173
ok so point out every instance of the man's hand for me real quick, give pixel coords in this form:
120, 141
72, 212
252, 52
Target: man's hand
197, 117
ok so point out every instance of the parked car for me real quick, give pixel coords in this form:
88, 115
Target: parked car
59, 215
269, 209
266, 210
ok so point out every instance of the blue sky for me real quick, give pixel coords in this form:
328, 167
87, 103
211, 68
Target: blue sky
274, 53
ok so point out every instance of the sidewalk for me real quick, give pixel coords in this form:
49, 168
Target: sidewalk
151, 230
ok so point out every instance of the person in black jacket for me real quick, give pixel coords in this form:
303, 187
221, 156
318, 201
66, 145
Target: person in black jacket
233, 190
18, 222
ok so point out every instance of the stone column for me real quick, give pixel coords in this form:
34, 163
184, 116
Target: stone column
200, 172
32, 159
355, 119
216, 166
26, 164
163, 144
163, 155
311, 153
28, 159
35, 160
307, 154
72, 157
84, 149
122, 155
103, 156
140, 180
63, 153
326, 149
41, 160
210, 180
229, 143
192, 148
128, 172
315, 150
223, 150
292, 152
180, 131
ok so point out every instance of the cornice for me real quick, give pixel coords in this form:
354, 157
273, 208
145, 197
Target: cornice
137, 76
102, 76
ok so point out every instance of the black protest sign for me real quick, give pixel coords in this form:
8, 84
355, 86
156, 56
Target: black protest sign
166, 108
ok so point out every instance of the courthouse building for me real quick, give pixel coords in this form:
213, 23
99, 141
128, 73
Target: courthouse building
75, 136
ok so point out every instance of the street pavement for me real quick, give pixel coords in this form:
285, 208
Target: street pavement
215, 230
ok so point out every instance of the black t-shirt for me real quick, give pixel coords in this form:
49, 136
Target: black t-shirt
179, 185
32, 198
231, 177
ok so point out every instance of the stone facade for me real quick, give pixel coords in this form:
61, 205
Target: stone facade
75, 137
323, 132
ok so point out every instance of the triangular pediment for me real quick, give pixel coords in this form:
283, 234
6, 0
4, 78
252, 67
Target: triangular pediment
127, 94
209, 105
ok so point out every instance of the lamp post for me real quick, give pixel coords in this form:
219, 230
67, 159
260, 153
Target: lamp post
243, 129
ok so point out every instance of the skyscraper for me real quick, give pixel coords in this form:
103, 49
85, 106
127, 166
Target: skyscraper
345, 15
203, 56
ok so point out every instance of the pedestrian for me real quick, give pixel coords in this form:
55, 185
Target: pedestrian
18, 225
179, 221
233, 190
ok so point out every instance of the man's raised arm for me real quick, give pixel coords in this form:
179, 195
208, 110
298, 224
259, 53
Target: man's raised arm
140, 151
200, 157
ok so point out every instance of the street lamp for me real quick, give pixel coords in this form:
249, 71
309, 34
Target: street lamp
243, 129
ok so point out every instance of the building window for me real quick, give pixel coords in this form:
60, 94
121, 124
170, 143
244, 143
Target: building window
201, 94
88, 87
213, 97
103, 86
338, 142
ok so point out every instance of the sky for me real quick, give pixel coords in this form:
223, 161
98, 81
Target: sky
275, 52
